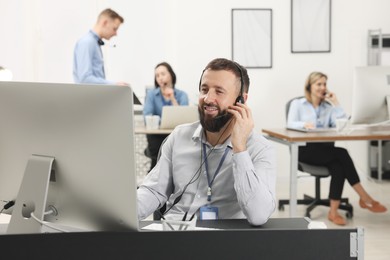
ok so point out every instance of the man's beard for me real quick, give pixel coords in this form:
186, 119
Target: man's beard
214, 124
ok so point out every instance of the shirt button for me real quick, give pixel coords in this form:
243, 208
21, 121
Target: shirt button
198, 196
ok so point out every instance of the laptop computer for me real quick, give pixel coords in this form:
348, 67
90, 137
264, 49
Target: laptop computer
315, 130
173, 116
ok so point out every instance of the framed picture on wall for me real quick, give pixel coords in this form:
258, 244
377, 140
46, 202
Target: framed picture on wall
252, 37
310, 26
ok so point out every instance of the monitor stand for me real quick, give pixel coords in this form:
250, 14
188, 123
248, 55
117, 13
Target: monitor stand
32, 196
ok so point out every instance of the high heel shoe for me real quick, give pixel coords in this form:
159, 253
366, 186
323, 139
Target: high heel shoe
375, 206
337, 219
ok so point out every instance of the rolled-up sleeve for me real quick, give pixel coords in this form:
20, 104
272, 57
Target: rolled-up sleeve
254, 182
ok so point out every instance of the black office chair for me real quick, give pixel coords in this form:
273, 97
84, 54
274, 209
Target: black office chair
159, 212
318, 172
154, 142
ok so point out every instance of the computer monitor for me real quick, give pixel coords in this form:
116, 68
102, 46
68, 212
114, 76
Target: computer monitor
371, 87
68, 148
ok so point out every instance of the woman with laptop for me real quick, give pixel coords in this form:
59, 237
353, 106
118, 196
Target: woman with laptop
164, 94
320, 108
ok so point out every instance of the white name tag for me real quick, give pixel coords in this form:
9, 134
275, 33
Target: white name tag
208, 213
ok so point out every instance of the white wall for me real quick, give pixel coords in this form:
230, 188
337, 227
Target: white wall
37, 39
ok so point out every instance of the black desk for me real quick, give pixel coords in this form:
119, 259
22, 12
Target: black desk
278, 239
240, 224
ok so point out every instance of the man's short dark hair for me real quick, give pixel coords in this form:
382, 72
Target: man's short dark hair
112, 14
225, 64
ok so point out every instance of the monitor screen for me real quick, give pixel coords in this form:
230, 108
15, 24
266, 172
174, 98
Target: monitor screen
88, 133
371, 86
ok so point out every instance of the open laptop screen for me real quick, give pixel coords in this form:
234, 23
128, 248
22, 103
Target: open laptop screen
173, 116
315, 130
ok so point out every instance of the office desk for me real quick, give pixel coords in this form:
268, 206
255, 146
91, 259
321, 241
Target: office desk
278, 239
143, 130
294, 139
143, 162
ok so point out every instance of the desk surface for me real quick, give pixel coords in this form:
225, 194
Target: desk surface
223, 224
368, 133
143, 130
241, 224
248, 243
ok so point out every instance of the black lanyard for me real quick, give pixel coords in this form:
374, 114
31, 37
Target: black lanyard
210, 181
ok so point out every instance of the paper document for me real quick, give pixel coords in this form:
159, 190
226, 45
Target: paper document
159, 227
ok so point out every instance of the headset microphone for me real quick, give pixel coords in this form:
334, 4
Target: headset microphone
221, 116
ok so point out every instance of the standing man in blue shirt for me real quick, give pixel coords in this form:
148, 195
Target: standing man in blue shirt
88, 63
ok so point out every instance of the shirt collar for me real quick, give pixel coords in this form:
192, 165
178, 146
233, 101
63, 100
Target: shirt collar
305, 101
197, 133
196, 137
158, 91
94, 34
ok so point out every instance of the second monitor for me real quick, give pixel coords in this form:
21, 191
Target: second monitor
371, 87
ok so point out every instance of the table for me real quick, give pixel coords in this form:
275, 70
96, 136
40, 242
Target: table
279, 238
294, 139
143, 162
143, 130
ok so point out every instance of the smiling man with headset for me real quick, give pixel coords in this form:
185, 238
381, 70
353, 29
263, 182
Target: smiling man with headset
219, 167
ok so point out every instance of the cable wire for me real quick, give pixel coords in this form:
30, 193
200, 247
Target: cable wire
197, 173
47, 224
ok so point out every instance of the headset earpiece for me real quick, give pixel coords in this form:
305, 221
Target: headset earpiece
240, 98
308, 87
200, 80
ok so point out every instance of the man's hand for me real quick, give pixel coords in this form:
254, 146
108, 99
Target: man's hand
243, 126
121, 83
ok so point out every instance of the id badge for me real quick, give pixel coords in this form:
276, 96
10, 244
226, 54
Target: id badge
208, 213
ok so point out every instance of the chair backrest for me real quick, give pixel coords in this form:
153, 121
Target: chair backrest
159, 212
289, 103
316, 170
291, 100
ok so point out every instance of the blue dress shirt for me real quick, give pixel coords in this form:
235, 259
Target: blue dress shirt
302, 111
88, 64
154, 101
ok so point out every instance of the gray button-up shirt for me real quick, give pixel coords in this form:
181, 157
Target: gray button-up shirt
244, 187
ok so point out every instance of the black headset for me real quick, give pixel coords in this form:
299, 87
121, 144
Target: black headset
100, 42
240, 98
308, 87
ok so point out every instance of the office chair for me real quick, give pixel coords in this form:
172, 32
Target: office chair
160, 212
317, 172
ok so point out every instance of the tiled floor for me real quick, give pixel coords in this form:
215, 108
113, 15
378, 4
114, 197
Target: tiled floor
376, 225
